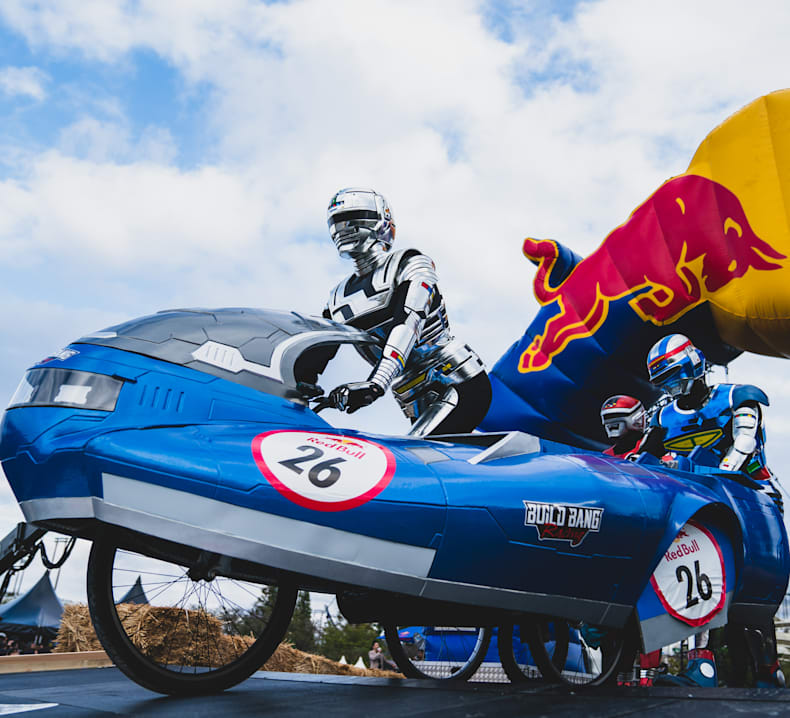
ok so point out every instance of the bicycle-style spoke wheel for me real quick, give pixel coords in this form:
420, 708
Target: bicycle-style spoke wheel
516, 657
438, 652
594, 654
181, 629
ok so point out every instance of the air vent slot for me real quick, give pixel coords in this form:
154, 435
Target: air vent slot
161, 398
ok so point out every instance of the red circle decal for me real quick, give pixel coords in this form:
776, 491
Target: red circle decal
690, 580
323, 471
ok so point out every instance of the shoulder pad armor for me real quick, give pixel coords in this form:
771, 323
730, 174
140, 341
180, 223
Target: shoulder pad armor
742, 393
400, 256
414, 264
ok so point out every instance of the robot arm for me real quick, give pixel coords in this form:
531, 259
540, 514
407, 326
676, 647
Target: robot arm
652, 442
745, 427
414, 295
417, 287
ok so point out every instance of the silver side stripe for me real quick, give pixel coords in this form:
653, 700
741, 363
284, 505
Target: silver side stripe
276, 532
7, 709
299, 546
663, 629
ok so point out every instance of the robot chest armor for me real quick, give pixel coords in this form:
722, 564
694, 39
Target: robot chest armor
364, 302
707, 427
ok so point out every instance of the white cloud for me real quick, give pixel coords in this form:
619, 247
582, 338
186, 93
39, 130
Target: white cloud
310, 96
25, 81
447, 119
133, 213
102, 141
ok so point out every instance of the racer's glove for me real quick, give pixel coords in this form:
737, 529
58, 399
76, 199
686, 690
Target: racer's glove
350, 397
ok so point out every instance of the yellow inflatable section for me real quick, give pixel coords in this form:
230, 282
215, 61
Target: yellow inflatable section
749, 154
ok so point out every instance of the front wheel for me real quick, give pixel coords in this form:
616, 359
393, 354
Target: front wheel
182, 627
451, 653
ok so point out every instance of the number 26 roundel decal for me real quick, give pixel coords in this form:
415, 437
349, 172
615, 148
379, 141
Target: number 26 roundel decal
690, 580
325, 472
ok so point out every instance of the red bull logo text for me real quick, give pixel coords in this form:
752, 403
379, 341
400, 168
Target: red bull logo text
352, 449
689, 240
684, 549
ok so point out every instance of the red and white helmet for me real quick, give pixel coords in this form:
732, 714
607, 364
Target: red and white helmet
622, 414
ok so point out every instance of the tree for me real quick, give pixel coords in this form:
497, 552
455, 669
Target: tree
301, 632
254, 621
340, 638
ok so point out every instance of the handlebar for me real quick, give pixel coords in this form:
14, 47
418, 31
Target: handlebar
314, 395
322, 402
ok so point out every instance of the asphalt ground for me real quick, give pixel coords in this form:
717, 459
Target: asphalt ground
106, 691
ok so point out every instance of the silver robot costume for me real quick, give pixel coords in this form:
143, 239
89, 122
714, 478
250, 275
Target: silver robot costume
395, 297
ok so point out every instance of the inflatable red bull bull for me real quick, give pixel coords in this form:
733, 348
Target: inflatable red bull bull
706, 255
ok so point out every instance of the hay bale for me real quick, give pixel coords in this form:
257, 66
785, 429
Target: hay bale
288, 659
167, 635
164, 635
76, 631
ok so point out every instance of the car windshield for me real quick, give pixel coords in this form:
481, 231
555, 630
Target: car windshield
267, 350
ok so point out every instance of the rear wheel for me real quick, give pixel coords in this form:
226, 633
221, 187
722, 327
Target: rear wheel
594, 654
183, 627
517, 661
451, 653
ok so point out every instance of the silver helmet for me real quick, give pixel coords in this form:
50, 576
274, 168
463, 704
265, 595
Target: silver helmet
360, 220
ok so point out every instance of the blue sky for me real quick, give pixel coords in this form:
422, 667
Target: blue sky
143, 88
166, 154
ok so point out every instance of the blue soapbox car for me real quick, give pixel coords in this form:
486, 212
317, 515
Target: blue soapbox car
184, 447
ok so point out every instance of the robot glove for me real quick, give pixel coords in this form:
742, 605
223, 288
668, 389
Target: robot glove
350, 397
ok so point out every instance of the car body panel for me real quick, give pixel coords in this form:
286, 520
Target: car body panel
507, 521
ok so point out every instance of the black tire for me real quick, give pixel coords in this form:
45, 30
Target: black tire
214, 636
544, 630
615, 652
462, 657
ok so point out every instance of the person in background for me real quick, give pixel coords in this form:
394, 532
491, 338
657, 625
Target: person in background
377, 659
727, 420
624, 420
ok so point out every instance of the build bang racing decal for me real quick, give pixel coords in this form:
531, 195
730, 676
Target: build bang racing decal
690, 581
325, 472
561, 521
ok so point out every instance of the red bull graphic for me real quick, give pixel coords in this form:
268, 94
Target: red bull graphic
684, 244
705, 256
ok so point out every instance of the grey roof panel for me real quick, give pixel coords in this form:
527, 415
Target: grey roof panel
254, 347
